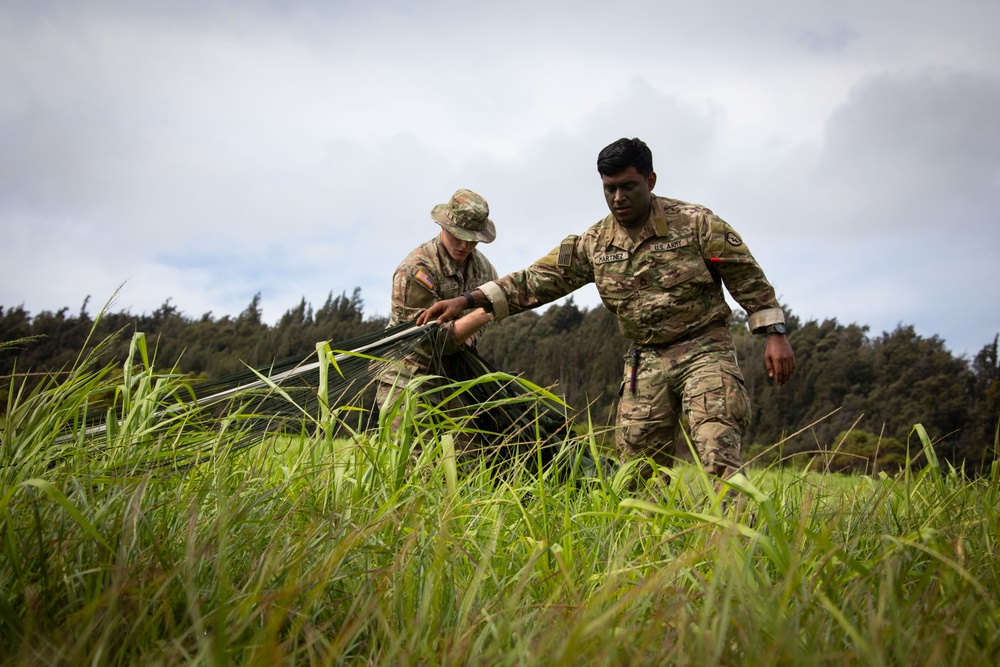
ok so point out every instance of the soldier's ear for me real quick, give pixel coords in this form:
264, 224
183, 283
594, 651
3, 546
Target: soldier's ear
651, 180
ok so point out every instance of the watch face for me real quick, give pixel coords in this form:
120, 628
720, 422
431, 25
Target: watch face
777, 328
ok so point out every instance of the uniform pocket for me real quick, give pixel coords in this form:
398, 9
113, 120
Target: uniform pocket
688, 269
737, 399
615, 289
634, 411
717, 396
705, 384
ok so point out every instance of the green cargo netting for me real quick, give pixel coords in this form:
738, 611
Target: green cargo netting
507, 415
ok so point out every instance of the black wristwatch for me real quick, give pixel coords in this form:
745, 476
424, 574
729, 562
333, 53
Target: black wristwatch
774, 329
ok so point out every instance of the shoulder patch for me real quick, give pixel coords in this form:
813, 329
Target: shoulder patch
424, 279
732, 239
566, 251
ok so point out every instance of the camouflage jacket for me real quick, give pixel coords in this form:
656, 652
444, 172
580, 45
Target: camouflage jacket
427, 275
663, 287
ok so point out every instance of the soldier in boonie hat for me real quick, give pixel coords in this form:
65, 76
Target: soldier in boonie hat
466, 216
443, 267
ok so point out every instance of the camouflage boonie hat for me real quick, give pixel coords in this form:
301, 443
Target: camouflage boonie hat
466, 217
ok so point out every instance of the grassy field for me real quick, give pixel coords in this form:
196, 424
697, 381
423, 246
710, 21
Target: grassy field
159, 541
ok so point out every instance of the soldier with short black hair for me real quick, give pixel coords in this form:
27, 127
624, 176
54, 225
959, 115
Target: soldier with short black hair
659, 264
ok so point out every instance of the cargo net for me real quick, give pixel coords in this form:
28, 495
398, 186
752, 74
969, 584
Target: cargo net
336, 385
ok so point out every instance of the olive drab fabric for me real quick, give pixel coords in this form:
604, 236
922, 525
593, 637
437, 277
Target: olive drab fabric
665, 287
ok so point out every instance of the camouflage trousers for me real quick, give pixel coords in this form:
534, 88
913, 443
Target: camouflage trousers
695, 384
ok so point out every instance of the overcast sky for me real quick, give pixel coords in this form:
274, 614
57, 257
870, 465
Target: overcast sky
203, 151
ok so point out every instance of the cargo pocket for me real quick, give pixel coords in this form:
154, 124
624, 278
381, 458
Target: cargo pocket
633, 411
704, 400
719, 397
632, 426
737, 399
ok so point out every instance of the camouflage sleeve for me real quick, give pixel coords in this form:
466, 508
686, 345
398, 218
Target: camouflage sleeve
413, 290
565, 269
729, 257
491, 273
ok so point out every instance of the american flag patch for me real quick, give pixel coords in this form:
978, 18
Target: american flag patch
421, 276
565, 254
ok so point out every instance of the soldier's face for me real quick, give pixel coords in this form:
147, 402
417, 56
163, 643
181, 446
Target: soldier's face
457, 249
629, 195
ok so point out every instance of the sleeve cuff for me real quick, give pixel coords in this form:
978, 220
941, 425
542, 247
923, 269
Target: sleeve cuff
765, 318
499, 300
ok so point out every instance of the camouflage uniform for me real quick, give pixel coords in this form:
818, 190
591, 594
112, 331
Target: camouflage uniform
666, 290
429, 274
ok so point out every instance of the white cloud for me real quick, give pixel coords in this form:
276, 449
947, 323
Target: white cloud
206, 151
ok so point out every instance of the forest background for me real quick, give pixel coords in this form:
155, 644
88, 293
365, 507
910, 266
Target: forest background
853, 393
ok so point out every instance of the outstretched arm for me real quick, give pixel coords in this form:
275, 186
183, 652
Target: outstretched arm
779, 358
469, 325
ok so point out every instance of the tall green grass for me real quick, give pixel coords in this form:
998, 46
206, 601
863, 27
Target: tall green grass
119, 549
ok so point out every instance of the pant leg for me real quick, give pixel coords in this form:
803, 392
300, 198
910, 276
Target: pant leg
648, 414
696, 384
716, 405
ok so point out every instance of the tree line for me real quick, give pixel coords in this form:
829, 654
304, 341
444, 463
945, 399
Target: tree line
854, 397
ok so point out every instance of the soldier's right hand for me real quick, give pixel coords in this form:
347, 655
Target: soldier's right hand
443, 311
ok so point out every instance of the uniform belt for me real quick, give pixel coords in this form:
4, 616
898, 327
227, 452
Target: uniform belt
688, 336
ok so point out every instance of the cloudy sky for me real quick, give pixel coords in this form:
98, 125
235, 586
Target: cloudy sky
205, 151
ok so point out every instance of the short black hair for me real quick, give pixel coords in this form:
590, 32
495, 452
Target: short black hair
624, 153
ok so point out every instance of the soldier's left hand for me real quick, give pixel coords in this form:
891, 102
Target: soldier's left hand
779, 358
